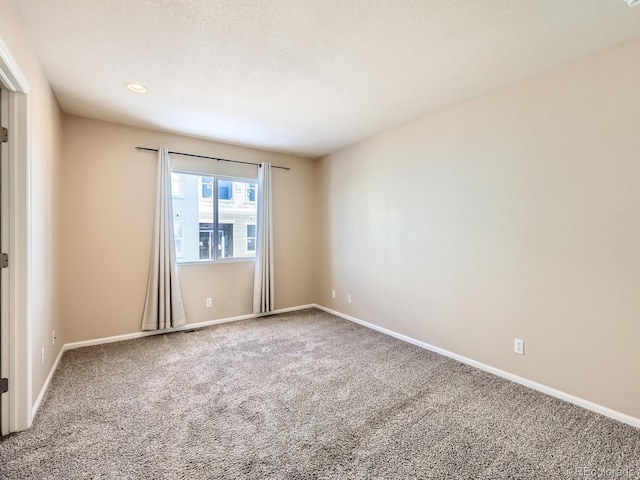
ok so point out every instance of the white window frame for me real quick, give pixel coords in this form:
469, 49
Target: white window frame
216, 222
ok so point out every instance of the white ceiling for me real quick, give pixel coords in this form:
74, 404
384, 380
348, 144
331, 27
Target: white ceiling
303, 76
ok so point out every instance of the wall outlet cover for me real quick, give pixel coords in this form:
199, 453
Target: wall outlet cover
518, 346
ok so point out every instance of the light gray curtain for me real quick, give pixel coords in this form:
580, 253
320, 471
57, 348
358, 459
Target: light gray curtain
263, 296
163, 307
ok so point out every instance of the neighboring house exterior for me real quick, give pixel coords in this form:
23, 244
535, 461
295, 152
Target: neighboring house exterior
199, 236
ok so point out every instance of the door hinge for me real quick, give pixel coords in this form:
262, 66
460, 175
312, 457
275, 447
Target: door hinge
4, 260
4, 385
4, 134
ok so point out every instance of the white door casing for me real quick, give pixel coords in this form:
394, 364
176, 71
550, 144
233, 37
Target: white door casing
16, 241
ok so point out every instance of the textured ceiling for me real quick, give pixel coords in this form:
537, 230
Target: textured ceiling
303, 76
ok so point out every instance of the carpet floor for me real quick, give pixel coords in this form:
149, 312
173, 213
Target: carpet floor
303, 395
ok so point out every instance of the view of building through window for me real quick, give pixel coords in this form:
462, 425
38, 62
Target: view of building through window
214, 218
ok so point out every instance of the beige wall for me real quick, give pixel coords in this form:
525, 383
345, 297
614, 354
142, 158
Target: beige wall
45, 134
107, 219
512, 215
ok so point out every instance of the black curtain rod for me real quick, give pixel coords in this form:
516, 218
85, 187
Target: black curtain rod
210, 158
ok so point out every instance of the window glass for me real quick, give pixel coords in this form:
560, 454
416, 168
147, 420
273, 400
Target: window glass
207, 187
225, 190
252, 189
251, 238
211, 229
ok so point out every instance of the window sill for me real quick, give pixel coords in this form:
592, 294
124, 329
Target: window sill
223, 260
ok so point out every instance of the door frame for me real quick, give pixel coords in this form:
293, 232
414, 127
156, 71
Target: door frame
15, 319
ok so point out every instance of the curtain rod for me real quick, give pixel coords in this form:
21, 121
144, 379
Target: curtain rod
210, 158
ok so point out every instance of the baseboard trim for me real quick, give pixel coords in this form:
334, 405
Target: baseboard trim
567, 397
608, 412
45, 387
188, 326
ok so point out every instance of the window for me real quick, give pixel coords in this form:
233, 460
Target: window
225, 190
251, 238
206, 242
252, 190
213, 218
207, 187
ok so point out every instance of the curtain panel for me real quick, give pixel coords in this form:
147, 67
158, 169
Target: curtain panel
163, 306
263, 285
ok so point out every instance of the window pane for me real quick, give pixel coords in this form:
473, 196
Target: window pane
206, 245
207, 187
225, 240
225, 191
189, 212
252, 189
251, 239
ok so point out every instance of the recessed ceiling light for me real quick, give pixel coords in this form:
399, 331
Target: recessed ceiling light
632, 3
136, 87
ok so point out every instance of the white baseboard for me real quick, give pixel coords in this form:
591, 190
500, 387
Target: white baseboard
45, 387
607, 412
129, 336
188, 326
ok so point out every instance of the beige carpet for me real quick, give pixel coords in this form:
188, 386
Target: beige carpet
302, 396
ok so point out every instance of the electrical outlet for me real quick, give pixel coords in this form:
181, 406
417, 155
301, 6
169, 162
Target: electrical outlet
209, 303
42, 357
333, 294
518, 346
53, 338
349, 298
